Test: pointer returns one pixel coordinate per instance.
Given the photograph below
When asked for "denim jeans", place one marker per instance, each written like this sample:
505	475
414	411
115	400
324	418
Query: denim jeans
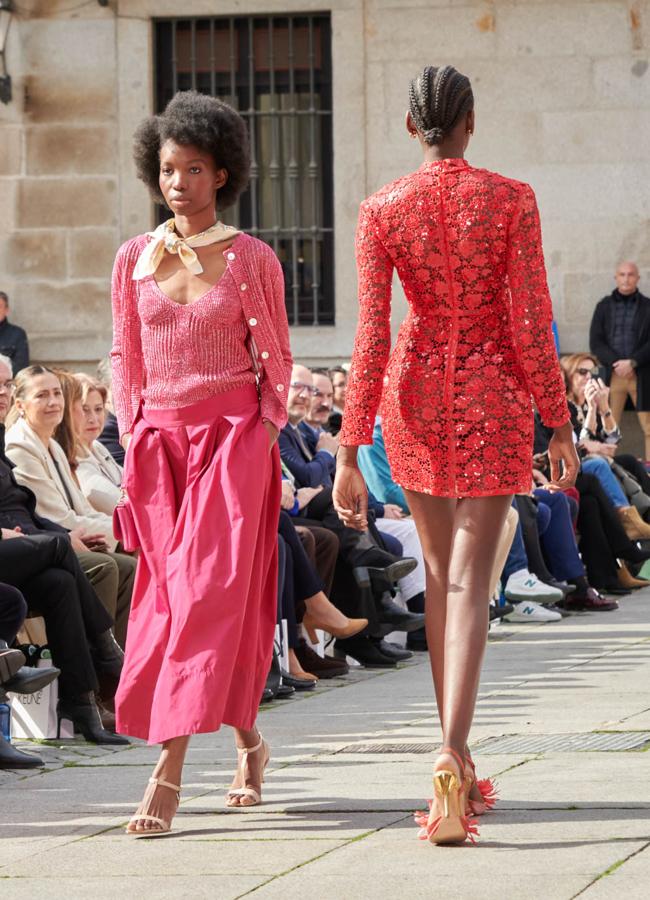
611	485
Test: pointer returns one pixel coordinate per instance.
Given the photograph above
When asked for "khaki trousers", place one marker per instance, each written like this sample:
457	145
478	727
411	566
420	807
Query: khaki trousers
619	390
111	575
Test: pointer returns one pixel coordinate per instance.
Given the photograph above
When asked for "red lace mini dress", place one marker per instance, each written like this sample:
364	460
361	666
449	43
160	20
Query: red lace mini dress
476	344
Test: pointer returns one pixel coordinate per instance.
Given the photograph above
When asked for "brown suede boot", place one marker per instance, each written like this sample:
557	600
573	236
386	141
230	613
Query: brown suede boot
635	528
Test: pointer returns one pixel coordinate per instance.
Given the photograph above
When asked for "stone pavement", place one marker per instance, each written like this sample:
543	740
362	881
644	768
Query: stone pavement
337	823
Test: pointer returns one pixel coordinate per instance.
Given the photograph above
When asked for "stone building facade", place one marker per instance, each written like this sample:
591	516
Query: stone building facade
563	102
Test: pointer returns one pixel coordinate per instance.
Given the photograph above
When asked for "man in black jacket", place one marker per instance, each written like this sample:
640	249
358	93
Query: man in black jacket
620	337
13	339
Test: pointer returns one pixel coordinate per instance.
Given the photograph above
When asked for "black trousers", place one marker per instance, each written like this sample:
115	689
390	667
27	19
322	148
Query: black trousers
602	537
300	578
13	610
527	509
45	569
635	467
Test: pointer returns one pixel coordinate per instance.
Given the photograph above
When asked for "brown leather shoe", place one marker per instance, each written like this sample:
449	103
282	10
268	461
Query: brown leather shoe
628	581
323	666
589	600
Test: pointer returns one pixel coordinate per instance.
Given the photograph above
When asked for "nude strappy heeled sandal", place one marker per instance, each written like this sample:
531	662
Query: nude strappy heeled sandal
244	791
452	825
165	826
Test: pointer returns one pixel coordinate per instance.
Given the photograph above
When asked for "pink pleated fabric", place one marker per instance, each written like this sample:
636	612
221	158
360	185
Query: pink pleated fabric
205	492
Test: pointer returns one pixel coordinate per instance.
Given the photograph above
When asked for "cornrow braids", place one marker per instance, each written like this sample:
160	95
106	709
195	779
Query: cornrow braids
438	99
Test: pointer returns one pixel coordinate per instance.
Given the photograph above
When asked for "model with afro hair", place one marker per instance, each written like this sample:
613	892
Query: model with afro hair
201	368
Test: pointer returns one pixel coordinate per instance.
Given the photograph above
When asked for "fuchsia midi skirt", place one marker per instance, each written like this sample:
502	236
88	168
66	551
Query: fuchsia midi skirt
205	494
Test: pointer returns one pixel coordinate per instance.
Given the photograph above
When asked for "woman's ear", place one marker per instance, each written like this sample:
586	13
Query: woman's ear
410	125
221	179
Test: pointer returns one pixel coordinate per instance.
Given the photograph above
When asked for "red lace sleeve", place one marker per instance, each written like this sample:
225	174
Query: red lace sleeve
372	341
532	313
126	353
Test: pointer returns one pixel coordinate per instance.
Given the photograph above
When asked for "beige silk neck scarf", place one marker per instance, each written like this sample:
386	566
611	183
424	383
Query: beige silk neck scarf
165	240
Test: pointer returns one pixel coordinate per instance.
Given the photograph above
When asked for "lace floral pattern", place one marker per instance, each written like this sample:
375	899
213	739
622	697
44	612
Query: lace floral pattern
476	343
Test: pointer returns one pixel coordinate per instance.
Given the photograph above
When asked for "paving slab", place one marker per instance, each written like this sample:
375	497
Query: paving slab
339	823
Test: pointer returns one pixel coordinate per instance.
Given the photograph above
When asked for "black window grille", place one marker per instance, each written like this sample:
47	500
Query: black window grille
276	71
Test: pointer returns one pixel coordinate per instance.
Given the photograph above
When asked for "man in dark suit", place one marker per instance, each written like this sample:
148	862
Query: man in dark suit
311	460
620	338
13	338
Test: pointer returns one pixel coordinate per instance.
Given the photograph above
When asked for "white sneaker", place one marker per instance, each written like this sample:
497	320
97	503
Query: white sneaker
527	611
523	585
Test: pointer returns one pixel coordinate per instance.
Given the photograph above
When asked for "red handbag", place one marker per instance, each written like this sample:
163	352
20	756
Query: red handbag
124	527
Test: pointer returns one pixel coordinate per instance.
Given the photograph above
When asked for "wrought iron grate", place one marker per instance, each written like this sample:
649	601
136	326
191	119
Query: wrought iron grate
276	70
610	741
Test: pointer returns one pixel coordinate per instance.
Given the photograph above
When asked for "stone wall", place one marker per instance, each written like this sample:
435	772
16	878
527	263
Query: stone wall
563	101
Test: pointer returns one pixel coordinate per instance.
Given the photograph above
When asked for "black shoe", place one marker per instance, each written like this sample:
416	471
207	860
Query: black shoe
28	680
12	758
298	684
382	570
615	589
274	678
555	607
323	666
417	641
364	651
392	651
83	713
563	586
284	691
393	617
11	661
267	696
499	612
108	656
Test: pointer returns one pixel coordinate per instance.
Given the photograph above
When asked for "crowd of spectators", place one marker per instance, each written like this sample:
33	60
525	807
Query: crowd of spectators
360	594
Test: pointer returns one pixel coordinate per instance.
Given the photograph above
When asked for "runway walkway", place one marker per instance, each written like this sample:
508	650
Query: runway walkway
573	821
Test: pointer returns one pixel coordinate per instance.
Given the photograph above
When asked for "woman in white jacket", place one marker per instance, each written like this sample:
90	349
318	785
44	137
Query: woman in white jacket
100	477
41	464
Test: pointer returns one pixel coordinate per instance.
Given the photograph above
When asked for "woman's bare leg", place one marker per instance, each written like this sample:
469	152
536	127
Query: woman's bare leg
459	542
161	801
478	524
434	520
253	773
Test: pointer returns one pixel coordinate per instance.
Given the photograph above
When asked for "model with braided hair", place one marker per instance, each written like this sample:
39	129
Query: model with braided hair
474	348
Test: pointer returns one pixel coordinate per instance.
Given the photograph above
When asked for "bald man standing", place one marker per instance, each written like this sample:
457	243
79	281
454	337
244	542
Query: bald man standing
620	337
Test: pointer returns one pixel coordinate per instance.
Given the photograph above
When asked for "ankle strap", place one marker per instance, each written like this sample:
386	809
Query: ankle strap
159	781
459	759
252	749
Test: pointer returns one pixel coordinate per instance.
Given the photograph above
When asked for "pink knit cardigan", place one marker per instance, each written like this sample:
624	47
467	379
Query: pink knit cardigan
257	272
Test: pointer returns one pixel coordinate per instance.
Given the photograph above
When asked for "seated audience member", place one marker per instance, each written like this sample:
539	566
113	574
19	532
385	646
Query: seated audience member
45	570
361	552
375	469
303	600
603	541
339	378
599	433
547	525
524	589
99	476
41	465
599	464
110	436
15	676
13	339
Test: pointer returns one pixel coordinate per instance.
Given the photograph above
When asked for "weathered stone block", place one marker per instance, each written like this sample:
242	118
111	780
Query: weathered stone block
595	136
571	29
47	307
66	202
8	203
621	82
582	291
92	252
35	254
70	149
10	150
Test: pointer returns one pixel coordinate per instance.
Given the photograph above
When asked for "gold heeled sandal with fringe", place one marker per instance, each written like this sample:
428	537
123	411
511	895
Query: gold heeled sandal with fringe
451	825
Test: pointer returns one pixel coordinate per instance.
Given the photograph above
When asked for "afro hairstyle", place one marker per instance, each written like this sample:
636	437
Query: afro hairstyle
204	122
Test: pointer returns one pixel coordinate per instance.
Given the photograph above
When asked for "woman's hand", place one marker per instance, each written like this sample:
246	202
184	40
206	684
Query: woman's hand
272	432
350	497
565	464
125	440
393	511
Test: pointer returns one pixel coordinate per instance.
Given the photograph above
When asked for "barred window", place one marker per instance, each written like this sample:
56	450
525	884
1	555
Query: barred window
276	71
